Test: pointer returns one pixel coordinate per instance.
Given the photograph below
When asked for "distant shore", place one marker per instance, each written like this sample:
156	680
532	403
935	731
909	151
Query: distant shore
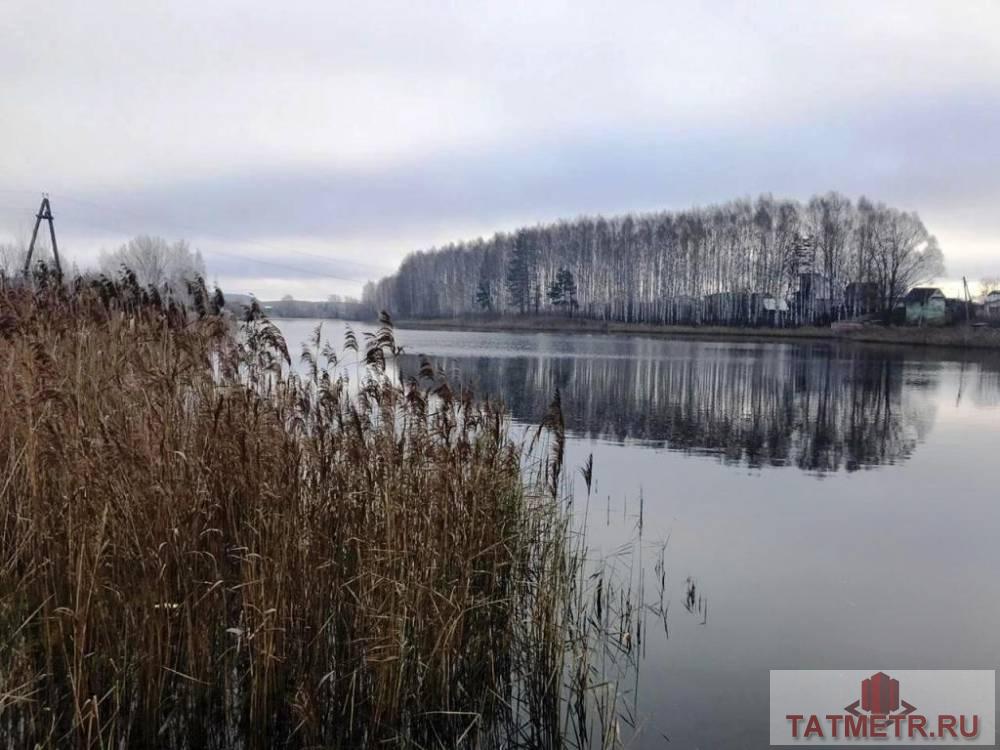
963	337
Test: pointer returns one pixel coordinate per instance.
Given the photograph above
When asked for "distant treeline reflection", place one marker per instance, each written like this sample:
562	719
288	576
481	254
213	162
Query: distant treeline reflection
818	407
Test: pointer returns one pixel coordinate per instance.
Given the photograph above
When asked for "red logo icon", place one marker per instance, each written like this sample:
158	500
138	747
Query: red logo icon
880	697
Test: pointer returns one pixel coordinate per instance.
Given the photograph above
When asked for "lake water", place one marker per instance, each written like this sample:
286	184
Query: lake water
838	505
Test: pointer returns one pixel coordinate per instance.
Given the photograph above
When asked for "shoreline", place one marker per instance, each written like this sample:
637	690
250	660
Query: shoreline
952	337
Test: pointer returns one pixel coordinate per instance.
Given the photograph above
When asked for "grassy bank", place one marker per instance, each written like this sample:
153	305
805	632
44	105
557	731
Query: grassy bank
953	336
199	549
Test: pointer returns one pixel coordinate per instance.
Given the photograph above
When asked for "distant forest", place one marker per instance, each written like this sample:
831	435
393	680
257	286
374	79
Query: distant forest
746	262
335	306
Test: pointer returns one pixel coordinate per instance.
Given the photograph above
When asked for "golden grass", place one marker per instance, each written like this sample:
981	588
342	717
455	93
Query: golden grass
200	549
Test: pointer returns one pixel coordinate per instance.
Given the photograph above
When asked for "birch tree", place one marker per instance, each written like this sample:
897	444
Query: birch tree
661	267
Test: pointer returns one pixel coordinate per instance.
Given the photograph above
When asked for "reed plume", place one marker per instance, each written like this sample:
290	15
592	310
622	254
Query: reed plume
200	547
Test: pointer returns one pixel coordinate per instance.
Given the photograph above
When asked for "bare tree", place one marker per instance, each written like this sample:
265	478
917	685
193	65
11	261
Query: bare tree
12	257
989	284
155	262
670	267
905	254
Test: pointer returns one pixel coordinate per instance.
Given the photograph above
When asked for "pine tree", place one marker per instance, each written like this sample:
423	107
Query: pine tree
562	290
484	296
555	292
520	273
568	284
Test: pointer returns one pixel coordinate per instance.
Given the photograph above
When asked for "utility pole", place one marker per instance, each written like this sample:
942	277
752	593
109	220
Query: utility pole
44	213
968	300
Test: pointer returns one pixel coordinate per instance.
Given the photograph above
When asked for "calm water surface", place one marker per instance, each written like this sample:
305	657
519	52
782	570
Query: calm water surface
837	505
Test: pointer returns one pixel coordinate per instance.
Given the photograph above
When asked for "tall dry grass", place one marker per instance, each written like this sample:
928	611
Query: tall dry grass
200	548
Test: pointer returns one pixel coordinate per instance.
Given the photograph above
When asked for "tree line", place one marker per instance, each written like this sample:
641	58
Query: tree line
828	257
152	261
170	267
335	306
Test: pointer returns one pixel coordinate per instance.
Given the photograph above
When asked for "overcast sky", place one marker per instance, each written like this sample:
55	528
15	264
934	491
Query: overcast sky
305	147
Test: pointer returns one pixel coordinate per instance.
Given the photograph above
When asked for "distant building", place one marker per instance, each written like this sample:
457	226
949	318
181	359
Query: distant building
728	308
773	311
745	309
959	310
815	285
925	305
862	298
817	298
683	309
991	306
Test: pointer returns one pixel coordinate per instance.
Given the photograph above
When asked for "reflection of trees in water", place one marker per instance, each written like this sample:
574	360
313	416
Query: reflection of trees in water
985	381
978	379
987	388
815	407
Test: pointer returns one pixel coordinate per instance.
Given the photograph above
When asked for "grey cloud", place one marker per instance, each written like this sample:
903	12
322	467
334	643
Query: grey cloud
332	138
883	152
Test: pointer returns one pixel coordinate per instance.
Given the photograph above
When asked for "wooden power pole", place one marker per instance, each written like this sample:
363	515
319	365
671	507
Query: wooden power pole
44	213
968	300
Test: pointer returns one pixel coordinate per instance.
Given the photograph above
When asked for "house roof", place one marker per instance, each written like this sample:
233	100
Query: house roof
921	295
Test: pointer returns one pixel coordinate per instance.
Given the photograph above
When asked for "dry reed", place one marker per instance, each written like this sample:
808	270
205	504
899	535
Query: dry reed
201	548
